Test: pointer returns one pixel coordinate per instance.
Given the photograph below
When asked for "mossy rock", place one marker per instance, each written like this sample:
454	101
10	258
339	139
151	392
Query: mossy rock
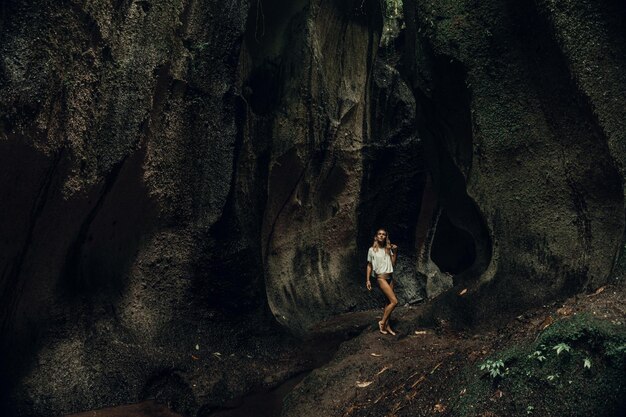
576	367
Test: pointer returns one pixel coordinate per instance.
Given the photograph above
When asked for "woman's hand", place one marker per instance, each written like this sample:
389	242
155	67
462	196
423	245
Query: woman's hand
394	254
368	284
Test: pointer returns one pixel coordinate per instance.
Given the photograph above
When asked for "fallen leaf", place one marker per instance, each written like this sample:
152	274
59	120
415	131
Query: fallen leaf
463	292
598	291
565	311
363	384
217	355
421	378
421	332
496	395
463	391
383	370
435	368
547	322
195	358
376	354
439	408
383	395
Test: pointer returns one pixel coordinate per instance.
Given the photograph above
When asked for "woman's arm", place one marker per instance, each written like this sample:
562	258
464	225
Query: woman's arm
394	254
368	284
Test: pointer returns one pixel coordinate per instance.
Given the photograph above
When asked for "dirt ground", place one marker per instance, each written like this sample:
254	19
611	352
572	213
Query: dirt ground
414	373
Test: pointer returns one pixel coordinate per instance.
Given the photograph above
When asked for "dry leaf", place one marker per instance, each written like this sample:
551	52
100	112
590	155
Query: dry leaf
598	291
463	292
383	370
376	354
439	408
195	358
546	323
363	384
496	395
463	391
422	378
565	311
421	332
435	368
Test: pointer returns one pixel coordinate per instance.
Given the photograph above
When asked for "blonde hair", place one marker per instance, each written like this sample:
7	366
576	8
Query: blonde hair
375	245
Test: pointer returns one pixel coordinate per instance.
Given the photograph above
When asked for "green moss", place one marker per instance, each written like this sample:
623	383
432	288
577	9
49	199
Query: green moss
392	8
589	333
545	378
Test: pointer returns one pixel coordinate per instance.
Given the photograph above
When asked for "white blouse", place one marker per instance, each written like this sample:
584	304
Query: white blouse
380	260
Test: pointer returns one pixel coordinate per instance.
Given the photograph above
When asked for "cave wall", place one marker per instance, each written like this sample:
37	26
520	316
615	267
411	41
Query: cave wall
544	174
316	166
171	170
118	130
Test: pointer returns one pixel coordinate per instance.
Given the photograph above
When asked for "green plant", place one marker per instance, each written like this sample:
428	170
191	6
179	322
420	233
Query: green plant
201	46
538	354
575	367
495	369
562	347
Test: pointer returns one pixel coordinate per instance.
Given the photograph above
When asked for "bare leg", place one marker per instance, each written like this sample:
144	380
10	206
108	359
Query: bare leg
388	328
391	296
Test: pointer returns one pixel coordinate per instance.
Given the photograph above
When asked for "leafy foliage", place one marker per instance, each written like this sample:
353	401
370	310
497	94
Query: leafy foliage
538	354
562	347
580	358
495	369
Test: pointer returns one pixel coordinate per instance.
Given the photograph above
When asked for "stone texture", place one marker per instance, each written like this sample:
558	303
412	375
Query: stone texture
316	168
540	172
189	172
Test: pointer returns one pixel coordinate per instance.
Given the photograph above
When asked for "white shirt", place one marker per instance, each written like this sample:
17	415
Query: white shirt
380	260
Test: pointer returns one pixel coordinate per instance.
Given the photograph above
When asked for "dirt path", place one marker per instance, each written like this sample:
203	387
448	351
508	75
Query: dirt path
381	375
412	374
375	374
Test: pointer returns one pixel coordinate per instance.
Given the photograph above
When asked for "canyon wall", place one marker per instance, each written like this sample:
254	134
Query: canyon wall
170	170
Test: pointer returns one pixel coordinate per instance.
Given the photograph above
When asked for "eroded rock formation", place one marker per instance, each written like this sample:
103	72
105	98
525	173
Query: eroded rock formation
170	170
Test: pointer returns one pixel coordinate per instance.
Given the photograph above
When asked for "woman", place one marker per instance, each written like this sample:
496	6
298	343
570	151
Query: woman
381	258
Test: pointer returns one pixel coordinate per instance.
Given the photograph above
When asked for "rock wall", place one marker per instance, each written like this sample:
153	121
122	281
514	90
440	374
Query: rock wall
183	172
543	172
316	166
119	134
